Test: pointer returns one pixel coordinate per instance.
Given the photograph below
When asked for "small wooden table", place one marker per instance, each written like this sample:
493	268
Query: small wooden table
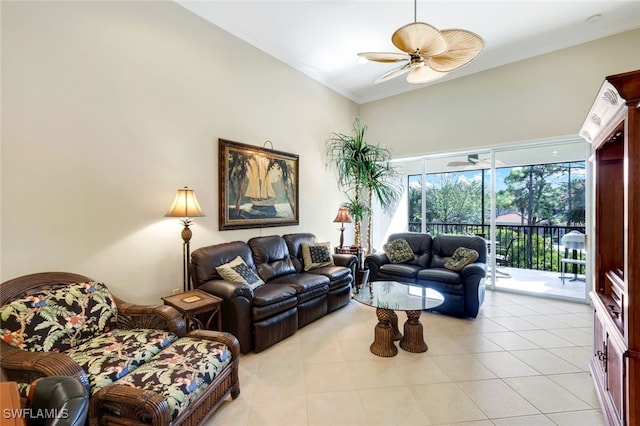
194	302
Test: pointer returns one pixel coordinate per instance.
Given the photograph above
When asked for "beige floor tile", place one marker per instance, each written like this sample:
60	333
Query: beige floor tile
545	339
514	323
381	407
231	413
327	377
357	349
545	362
496	399
546	395
463	367
374	373
335	409
446	403
420	370
578	418
275	410
577	336
504	364
278	378
477	372
510	341
579	384
539	420
576	355
321	351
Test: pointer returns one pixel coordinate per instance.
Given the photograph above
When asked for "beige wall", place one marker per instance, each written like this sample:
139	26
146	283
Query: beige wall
109	107
540	98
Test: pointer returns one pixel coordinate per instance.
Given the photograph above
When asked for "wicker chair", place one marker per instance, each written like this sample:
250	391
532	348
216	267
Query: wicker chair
131	403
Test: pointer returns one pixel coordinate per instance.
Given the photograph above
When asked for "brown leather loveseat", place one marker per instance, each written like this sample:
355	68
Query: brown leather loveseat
290	298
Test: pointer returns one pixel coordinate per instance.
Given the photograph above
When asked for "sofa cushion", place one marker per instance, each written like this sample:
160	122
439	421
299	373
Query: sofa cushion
316	255
238	272
181	371
271	293
439	275
398	251
400	270
114	354
58	318
461	258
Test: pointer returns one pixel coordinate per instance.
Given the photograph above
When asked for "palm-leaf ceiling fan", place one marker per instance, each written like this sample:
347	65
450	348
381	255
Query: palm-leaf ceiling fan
428	52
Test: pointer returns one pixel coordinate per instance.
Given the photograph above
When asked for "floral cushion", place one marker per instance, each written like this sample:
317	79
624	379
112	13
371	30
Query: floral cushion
461	258
59	318
398	251
114	354
181	372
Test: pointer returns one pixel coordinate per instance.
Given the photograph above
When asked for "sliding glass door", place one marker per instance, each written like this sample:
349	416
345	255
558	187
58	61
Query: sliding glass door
525	201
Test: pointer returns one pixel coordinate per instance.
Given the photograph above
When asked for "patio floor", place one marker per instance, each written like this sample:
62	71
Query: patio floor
540	283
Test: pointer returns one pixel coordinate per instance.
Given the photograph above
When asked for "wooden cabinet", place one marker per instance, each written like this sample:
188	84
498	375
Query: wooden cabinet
613	128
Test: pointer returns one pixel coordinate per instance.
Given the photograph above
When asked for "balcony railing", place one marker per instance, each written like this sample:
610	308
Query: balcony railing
521	246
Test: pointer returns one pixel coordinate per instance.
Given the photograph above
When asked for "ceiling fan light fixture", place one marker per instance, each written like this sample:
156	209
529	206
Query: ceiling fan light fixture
430	53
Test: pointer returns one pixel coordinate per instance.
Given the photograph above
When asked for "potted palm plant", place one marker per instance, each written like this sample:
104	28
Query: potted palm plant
363	171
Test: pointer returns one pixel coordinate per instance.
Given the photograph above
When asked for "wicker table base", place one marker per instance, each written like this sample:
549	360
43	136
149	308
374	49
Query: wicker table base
386	331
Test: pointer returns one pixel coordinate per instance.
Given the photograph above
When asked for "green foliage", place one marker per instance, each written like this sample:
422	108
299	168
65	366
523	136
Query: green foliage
363	171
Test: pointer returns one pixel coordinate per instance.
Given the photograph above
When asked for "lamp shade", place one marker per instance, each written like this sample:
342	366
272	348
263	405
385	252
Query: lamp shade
185	205
342	216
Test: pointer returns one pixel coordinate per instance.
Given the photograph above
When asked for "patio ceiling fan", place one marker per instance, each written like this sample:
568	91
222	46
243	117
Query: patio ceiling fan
428	53
474	160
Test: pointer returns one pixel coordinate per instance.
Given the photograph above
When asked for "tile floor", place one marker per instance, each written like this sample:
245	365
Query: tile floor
523	361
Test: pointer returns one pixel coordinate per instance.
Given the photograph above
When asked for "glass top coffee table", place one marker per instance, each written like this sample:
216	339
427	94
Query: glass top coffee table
390	296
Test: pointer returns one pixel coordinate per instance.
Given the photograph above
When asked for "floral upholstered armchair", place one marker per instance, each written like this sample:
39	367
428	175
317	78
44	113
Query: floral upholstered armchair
137	363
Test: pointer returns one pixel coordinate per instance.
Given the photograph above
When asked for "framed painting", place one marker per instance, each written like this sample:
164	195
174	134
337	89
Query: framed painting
258	186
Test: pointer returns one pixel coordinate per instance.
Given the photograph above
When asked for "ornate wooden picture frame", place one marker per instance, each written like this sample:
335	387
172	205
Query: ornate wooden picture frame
258	187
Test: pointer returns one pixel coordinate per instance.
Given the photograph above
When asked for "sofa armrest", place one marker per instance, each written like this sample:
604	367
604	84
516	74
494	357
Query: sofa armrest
476	268
346	260
373	262
161	317
130	401
26	366
236	308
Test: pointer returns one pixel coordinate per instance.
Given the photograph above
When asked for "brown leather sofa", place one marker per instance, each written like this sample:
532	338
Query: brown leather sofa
463	290
290	298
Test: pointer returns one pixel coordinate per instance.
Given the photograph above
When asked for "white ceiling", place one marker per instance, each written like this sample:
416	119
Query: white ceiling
321	38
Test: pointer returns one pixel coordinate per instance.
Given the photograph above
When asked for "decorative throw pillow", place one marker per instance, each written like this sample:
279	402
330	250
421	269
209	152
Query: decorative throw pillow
398	251
238	272
461	258
316	255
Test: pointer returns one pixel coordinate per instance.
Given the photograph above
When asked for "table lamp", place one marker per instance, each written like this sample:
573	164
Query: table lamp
185	206
342	217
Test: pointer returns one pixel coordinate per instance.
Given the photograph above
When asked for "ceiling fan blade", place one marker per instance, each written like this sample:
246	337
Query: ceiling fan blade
420	37
463	47
384	56
393	73
424	74
457	163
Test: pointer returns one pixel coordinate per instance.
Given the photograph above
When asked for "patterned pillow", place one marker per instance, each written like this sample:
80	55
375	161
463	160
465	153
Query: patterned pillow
58	319
398	251
238	272
461	258
316	255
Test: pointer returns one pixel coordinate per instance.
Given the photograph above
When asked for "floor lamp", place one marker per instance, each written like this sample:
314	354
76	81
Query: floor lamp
185	206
